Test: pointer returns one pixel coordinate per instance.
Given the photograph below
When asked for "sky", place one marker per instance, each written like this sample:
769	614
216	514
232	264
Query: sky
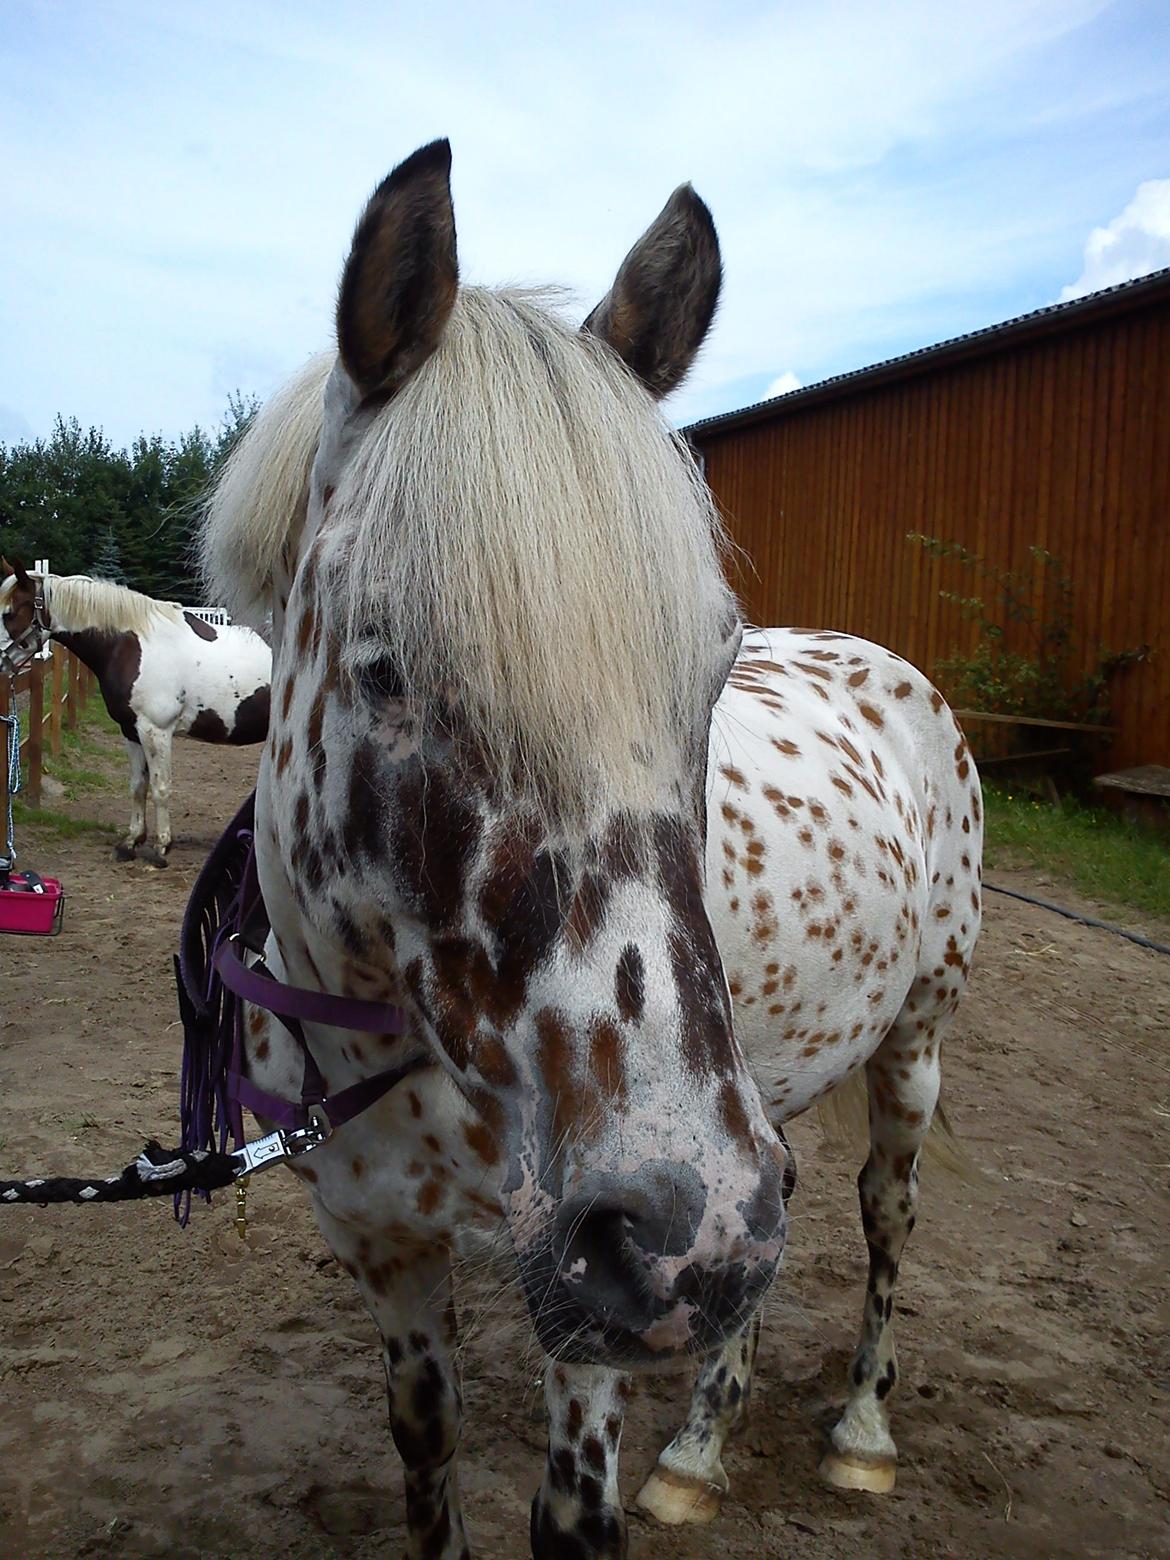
180	179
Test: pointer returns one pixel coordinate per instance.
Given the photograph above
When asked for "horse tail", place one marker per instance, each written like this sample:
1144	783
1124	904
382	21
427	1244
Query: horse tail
843	1117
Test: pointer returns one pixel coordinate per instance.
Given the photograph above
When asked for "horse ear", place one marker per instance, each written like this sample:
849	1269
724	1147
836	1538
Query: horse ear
17	568
400	280
660	307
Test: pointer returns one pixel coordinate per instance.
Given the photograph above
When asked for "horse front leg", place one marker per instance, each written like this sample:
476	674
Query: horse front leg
688	1482
577	1513
136	832
408	1294
156	744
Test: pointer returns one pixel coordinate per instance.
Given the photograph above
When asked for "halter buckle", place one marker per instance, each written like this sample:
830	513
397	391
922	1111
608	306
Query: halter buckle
279	1146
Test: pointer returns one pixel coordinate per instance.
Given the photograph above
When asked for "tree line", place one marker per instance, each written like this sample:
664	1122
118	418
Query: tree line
127	515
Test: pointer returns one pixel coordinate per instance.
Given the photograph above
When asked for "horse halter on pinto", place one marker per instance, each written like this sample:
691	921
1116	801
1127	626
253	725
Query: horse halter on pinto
22	647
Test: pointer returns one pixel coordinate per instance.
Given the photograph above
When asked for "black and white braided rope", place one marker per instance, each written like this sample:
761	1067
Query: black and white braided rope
157	1172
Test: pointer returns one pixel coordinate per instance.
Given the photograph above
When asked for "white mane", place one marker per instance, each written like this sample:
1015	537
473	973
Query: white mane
520	526
76	601
257	505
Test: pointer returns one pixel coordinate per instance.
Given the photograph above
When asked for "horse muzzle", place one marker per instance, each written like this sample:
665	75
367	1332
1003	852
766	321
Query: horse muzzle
631	1274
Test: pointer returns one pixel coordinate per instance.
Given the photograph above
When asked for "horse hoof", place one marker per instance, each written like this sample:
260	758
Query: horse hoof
152	857
124	852
674	1498
876	1475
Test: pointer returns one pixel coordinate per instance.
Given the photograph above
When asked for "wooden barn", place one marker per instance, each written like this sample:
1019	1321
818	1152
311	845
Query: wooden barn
1051	430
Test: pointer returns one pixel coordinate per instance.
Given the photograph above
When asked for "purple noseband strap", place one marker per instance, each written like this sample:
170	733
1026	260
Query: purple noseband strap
298	1004
226	916
311	1007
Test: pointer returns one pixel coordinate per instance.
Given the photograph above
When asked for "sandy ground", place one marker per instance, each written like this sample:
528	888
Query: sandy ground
195	1395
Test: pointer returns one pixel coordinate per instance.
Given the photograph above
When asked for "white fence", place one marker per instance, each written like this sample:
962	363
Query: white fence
216	616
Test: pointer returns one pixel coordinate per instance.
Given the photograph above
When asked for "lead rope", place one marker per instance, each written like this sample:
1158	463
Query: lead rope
161	1172
12	755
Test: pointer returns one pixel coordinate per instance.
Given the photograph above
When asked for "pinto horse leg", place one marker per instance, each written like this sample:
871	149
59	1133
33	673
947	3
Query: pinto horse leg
409	1298
577	1513
688	1483
156	743
136	833
903	1081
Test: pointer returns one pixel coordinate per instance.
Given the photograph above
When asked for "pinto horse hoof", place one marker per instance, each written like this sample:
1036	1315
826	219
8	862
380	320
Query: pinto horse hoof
876	1475
124	852
674	1498
151	856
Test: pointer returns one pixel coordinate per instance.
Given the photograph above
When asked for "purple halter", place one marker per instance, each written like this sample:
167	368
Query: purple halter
225	915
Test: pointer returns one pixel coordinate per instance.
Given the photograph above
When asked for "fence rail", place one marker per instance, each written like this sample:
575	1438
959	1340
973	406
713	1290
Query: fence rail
58	687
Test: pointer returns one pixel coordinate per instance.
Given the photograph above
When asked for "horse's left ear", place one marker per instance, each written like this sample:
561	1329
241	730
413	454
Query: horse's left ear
659	309
400	280
17	568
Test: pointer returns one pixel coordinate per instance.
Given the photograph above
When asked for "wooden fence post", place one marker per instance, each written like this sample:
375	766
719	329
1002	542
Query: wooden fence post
36	730
74	708
59	693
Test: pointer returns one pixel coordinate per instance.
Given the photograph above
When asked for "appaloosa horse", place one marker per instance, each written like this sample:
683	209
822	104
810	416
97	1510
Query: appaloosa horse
494	793
163	672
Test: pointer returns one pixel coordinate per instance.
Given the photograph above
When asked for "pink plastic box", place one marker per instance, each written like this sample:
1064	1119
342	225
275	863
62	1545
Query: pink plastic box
30	905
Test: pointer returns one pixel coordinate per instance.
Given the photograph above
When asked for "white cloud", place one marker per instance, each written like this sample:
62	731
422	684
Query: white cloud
1134	244
784	385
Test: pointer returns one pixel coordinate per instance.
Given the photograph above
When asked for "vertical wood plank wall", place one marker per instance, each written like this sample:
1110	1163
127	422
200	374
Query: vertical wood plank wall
1061	442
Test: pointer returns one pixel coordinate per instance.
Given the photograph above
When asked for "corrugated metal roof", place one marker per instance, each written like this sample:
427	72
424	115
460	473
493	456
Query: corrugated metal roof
1055	316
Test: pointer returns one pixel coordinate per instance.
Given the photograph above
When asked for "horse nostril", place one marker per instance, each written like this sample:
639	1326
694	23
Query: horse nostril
603	1258
763	1214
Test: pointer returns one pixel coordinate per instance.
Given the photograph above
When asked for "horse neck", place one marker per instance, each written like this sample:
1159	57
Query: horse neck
93	646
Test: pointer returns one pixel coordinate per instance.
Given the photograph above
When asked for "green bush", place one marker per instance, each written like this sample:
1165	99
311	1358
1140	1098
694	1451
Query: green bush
1041	672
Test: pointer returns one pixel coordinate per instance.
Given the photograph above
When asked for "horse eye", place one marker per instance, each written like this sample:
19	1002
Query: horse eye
380	679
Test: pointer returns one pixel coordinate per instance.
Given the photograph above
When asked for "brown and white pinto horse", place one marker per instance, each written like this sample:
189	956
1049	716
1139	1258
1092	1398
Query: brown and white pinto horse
501	628
163	673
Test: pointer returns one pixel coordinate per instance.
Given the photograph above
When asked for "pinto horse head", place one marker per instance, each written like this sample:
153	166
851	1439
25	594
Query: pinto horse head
23	618
505	628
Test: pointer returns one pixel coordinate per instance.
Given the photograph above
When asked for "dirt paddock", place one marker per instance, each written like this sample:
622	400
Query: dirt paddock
190	1394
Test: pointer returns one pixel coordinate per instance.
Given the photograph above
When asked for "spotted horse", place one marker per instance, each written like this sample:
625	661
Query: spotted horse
162	671
524	780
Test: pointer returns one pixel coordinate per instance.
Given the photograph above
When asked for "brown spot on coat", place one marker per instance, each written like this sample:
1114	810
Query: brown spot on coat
606	1060
630	984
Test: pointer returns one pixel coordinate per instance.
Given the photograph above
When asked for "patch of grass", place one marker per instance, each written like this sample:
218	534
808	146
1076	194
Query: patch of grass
1103	855
83	750
64	828
76	779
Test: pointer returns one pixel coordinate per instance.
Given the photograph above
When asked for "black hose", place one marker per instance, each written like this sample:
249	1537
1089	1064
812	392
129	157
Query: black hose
1085	920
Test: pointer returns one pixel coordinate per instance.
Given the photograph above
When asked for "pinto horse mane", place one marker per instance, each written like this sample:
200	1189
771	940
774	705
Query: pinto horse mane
88	603
519	524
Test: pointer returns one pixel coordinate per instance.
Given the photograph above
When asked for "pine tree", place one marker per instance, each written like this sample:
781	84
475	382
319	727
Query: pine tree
125	515
107	564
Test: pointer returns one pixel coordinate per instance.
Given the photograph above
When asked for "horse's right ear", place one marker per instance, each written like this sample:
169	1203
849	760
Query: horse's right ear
402	274
17	568
660	307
